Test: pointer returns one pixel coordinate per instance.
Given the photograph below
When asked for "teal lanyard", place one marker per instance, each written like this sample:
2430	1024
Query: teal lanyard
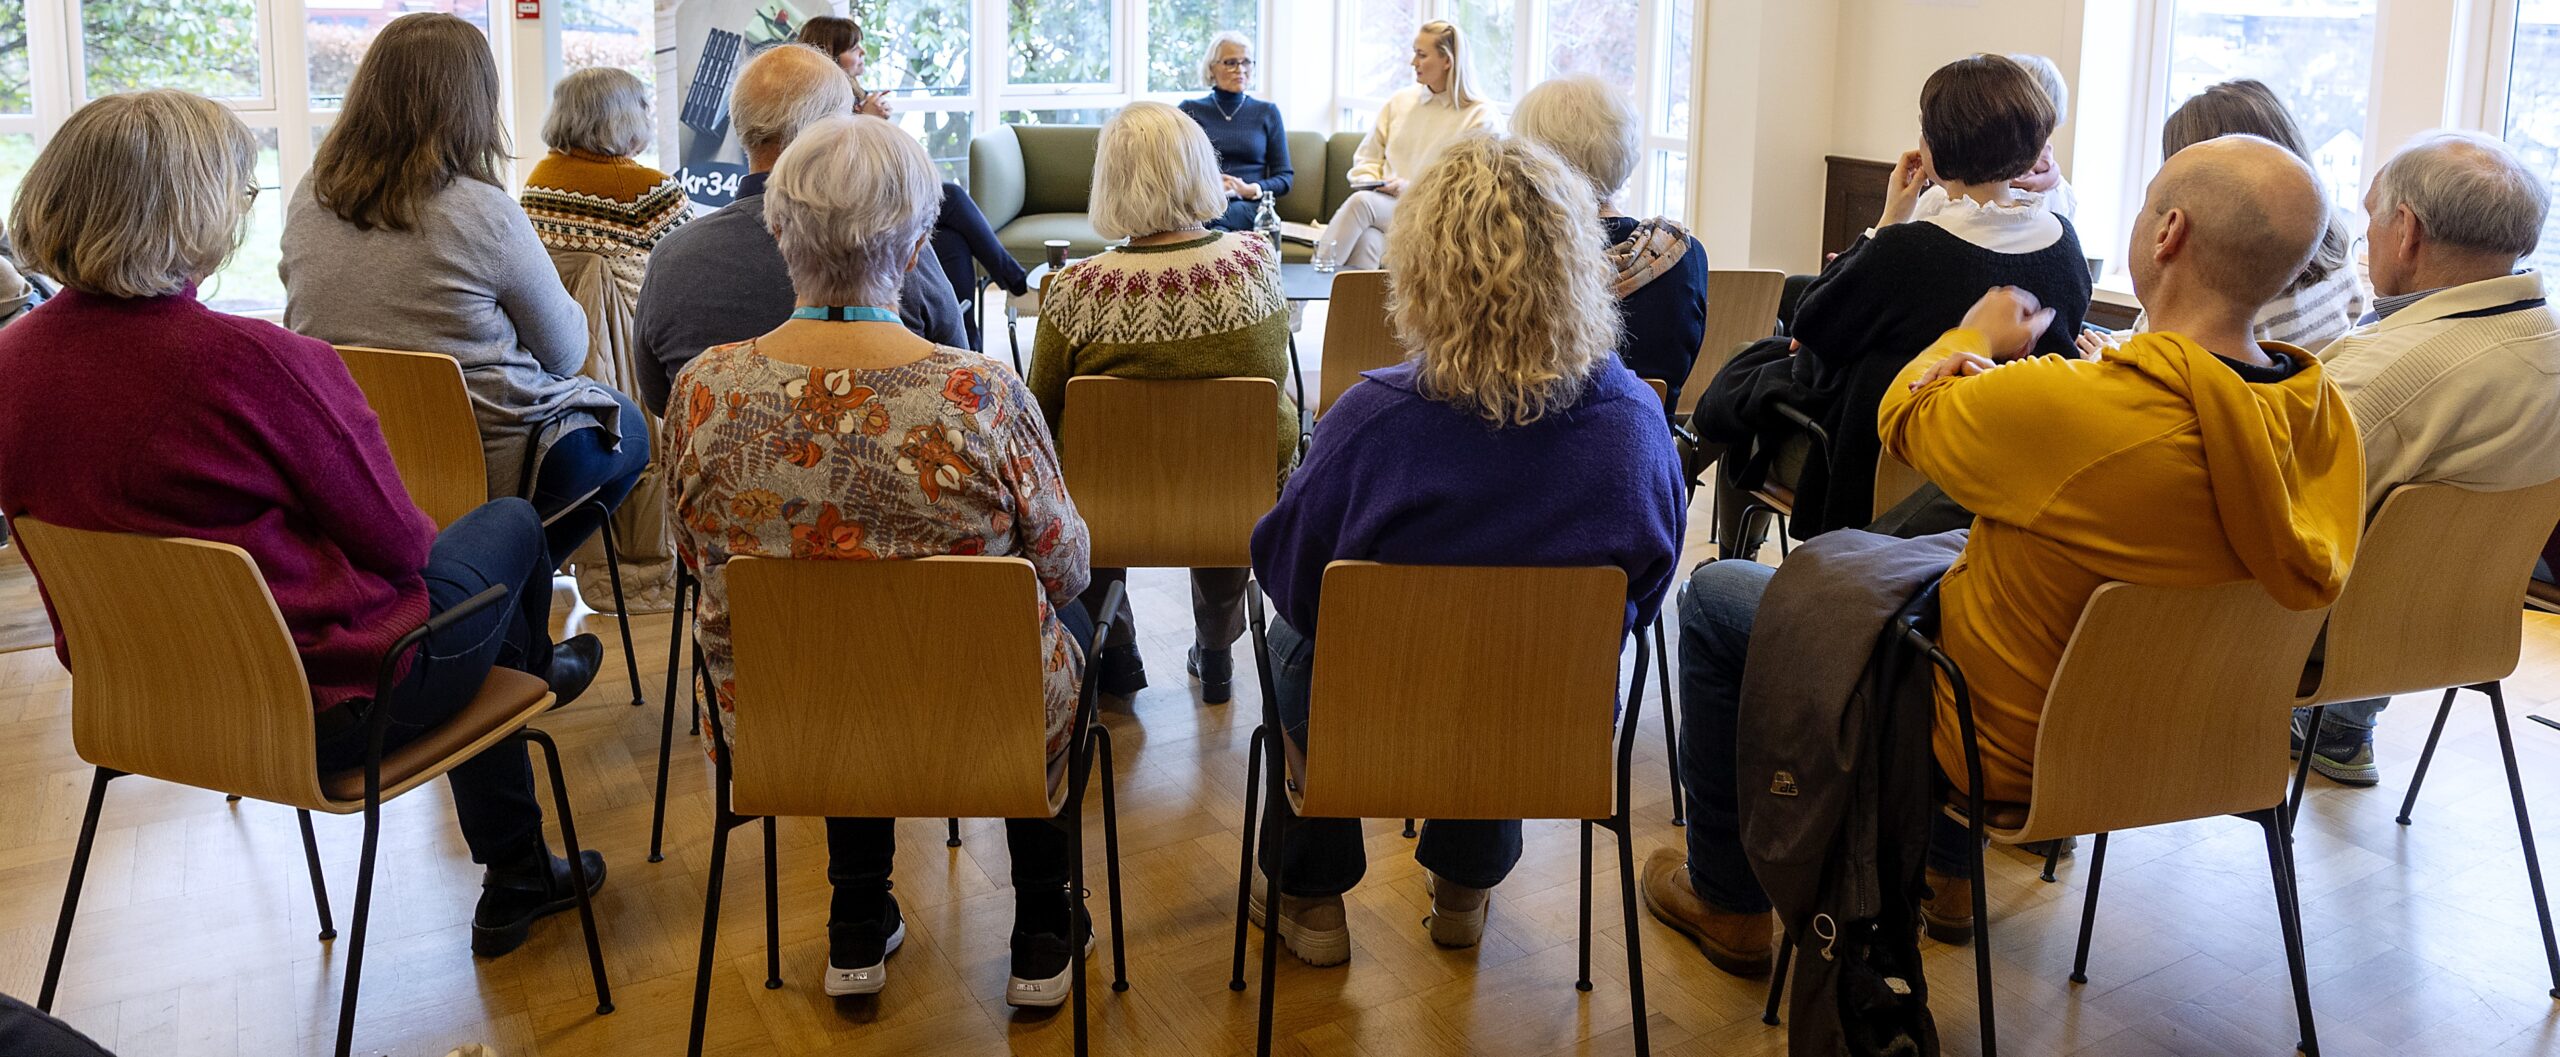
845	314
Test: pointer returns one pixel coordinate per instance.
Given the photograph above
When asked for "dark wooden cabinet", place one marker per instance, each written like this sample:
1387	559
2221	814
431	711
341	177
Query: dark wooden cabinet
1852	197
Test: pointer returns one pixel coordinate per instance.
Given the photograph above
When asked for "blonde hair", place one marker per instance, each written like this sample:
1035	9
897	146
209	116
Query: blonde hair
850	202
1452	43
1501	290
1587	123
138	195
1153	171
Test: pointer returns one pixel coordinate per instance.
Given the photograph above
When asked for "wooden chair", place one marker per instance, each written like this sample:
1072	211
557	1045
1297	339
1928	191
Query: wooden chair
846	710
1171	474
426	418
1742	307
188	675
1357	337
1455	692
2432	604
1895	481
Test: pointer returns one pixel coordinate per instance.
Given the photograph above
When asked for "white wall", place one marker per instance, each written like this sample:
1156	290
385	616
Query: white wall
1888	47
1764	126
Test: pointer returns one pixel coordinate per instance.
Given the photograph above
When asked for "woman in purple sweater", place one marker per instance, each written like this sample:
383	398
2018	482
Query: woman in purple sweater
131	407
1512	437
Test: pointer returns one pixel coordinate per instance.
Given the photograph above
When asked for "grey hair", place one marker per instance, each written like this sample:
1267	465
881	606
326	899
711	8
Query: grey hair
783	92
1209	58
850	203
138	195
2469	190
1153	171
1587	123
599	110
2048	77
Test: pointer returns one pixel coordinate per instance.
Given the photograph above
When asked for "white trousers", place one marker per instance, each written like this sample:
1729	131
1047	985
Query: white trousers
1357	237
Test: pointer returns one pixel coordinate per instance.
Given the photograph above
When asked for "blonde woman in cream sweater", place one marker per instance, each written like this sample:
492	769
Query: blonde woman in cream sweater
1410	131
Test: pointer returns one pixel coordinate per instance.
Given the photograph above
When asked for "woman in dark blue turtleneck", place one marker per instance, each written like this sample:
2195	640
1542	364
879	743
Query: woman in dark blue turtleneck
1253	148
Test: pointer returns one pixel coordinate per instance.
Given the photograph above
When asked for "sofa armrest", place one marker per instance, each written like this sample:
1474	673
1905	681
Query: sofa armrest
995	175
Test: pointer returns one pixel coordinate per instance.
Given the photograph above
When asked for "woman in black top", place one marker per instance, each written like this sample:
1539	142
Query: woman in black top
1253	147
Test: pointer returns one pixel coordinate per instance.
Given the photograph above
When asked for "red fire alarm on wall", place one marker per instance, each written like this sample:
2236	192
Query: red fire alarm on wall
528	9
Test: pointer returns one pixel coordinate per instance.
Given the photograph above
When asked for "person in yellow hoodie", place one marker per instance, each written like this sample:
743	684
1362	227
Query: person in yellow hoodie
2190	456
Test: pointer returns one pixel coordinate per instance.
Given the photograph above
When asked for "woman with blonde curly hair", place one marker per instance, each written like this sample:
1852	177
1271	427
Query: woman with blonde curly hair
1510	436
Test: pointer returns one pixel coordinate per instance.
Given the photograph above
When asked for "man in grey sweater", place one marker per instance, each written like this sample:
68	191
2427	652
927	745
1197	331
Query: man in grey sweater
720	279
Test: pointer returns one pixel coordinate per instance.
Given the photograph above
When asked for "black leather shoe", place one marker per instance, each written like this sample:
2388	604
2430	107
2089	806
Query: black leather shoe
1122	671
511	901
573	667
1216	670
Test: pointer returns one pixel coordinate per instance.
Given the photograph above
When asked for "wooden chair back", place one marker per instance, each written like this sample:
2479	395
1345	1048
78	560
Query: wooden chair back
2170	704
1172	474
1464	692
889	689
182	667
426	417
1895	481
2438	581
1357	337
1661	392
1742	307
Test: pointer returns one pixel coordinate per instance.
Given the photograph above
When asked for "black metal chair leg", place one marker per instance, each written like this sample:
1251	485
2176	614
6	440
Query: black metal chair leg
1271	929
621	609
1670	726
2428	756
1778	979
1635	944
1982	930
2289	916
1244	862
319	883
1075	907
2052	858
577	866
952	839
1582	974
355	934
772	912
1111	858
667	718
2524	834
1409	832
71	889
710	931
2088	908
2302	769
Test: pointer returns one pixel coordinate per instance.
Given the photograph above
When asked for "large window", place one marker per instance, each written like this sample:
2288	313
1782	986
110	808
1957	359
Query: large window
17	92
1171	68
2316	54
2533	108
211	47
1486	27
335	34
1058	42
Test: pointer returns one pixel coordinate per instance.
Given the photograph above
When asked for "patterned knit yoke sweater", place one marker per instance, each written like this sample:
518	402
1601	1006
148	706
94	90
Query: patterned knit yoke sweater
615	208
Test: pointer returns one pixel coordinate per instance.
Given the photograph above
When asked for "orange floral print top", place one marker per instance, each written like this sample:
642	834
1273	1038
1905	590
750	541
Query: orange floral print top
946	455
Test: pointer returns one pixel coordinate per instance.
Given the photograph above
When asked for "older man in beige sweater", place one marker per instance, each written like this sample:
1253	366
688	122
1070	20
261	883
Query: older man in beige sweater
2455	376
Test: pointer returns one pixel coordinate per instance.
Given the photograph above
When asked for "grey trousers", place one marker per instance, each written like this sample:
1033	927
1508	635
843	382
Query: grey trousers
1217	606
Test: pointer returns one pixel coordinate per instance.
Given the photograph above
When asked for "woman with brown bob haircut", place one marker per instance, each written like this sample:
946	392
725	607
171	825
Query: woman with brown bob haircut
404	236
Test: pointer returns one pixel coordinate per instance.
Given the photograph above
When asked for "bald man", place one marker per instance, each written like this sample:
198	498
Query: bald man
2192	455
720	279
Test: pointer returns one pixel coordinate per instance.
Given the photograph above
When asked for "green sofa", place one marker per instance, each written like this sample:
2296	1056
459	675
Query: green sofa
1033	182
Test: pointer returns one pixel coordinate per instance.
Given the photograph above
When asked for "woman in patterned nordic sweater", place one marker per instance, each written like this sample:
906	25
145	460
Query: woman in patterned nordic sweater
589	195
1179	301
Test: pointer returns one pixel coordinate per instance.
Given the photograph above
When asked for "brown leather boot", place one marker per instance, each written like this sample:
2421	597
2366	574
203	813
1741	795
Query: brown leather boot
1741	944
1947	915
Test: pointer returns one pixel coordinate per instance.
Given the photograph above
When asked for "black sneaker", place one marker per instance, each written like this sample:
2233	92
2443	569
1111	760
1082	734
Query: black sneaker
2345	757
573	667
1122	671
1044	966
511	901
858	955
1216	671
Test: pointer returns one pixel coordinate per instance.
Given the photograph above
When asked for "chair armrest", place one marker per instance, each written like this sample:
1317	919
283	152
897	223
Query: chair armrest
1821	437
1088	699
378	717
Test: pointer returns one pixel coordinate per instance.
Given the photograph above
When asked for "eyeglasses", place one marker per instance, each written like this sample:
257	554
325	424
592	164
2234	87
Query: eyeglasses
1235	64
252	192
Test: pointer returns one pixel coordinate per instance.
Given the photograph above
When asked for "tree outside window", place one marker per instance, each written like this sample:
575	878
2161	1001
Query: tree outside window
17	95
1594	37
1178	34
336	34
2533	109
1385	46
1058	41
915	47
209	47
1486	27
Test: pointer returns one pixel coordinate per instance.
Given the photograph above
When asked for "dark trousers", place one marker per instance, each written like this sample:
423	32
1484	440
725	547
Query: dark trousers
585	460
1324	855
1239	215
1716	614
861	851
961	235
499	544
1217	606
25	1032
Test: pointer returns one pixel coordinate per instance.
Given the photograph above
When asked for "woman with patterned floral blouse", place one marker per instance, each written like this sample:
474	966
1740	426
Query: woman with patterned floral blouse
841	435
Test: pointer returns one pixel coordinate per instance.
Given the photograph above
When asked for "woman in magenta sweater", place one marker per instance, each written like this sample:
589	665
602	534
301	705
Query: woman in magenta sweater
134	408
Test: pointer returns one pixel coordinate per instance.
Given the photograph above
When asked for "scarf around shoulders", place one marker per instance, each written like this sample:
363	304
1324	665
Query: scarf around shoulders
1651	250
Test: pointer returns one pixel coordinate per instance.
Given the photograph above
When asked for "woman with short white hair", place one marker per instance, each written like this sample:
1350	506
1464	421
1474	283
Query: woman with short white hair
1177	301
1660	271
590	194
1251	141
1508	438
1409	132
841	435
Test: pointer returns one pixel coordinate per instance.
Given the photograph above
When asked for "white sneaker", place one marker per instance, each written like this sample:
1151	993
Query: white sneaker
868	979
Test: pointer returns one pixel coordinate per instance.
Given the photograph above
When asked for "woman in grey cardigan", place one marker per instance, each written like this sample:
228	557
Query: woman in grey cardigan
404	237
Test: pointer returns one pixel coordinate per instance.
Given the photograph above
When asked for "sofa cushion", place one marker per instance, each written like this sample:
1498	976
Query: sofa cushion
1337	168
1057	167
1023	237
1305	203
995	175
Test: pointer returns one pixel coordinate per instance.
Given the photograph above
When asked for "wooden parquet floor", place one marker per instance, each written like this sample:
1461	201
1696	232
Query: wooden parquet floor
196	932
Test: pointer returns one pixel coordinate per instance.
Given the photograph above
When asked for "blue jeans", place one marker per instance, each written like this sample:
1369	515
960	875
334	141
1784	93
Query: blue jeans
498	544
585	460
1716	615
1324	856
961	235
2346	717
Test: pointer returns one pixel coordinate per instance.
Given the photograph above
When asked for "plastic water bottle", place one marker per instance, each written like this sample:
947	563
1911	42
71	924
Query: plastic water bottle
1266	220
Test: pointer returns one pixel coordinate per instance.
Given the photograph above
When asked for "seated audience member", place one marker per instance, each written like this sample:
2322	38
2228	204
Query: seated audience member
1983	124
1135	312
1252	144
1661	280
256	437
17	296
2450	379
2194	455
1410	130
589	195
2043	185
961	232
1511	404
403	237
721	278
915	450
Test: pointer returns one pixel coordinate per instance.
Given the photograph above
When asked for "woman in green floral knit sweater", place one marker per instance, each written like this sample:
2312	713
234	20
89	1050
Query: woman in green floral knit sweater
1178	301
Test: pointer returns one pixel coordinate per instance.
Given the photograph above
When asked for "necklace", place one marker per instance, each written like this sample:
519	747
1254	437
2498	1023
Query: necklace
845	314
1224	112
